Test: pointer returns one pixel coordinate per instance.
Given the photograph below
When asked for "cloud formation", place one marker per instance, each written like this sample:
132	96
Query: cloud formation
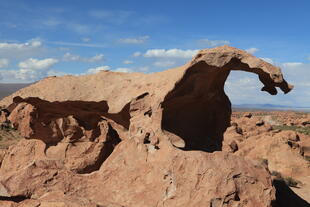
252	50
137	54
213	43
98	69
77	44
21	50
20	46
105	68
86	39
4	62
123	70
76	58
164	63
35	64
127	62
268	60
292	64
30	70
244	88
137	40
171	53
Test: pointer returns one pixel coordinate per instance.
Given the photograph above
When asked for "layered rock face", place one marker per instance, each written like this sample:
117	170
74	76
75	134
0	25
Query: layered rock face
116	139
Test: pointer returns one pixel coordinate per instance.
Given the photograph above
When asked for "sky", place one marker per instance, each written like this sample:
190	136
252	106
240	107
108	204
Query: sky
46	38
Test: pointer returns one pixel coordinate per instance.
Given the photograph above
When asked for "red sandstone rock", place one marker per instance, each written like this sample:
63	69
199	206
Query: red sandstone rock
166	124
286	152
142	177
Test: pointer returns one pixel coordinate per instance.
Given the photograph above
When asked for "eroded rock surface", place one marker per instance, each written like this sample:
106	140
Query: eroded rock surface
283	148
115	139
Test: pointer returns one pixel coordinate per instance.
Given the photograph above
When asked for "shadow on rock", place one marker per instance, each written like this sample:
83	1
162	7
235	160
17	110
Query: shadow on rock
286	197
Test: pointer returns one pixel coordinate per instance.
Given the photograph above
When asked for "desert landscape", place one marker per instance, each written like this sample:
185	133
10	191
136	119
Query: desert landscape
168	138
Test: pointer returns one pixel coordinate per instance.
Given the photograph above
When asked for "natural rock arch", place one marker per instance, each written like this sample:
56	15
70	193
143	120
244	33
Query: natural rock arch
198	110
115	128
188	104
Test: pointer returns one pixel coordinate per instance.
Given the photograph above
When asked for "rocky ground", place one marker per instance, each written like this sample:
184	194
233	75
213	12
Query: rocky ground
280	139
264	136
163	139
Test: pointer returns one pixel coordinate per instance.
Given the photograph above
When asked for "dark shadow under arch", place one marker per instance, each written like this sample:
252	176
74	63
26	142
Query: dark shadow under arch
198	110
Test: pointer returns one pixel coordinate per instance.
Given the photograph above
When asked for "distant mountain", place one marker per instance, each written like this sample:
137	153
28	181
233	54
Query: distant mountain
269	106
9	88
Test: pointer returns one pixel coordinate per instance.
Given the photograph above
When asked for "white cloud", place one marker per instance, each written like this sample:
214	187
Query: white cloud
35	64
77	44
171	53
136	54
21	50
213	43
34	69
127	62
252	50
292	64
268	60
123	70
165	63
141	69
61	23
79	28
30	70
71	57
4	62
98	57
240	82
20	46
120	69
131	70
244	88
138	40
98	69
86	39
296	71
55	73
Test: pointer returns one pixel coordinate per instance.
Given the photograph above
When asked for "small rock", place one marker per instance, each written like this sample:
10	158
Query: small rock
289	136
248	115
233	146
233	124
239	130
260	123
275	131
305	123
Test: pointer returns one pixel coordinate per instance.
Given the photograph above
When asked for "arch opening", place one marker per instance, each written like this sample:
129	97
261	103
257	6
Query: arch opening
197	110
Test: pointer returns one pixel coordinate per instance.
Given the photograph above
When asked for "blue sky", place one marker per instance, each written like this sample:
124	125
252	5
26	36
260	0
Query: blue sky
42	38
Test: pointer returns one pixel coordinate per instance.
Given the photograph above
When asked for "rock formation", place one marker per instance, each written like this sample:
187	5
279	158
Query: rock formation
115	139
286	153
